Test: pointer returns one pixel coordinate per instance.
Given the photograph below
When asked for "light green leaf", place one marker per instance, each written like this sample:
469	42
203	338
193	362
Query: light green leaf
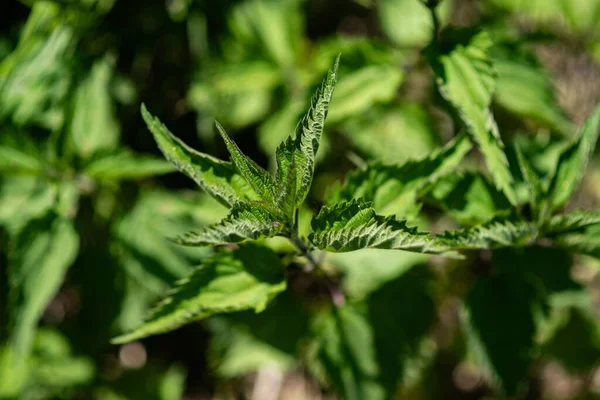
257	178
394	189
243	279
218	178
125	164
532	181
245	222
346	351
25	198
572	222
581	243
573	161
494	234
94	126
466	79
353	225
43	252
297	154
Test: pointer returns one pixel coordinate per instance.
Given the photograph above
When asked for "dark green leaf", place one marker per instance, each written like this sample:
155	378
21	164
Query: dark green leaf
494	234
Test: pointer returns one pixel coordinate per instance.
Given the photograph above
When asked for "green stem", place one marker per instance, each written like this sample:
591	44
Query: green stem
432	4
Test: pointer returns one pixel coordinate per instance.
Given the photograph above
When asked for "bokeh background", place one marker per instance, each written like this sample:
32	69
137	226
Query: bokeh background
96	200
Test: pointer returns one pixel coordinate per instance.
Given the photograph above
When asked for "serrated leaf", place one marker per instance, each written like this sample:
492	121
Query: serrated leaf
218	178
242	279
94	126
470	198
501	317
257	177
573	161
346	351
245	222
43	252
494	234
353	225
582	243
572	222
125	164
466	79
532	181
393	189
297	154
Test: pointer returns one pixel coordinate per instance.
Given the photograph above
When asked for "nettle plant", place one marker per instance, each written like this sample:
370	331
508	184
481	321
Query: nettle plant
362	346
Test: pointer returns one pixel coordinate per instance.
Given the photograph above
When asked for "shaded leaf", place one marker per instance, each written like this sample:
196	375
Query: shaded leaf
243	279
126	165
19	156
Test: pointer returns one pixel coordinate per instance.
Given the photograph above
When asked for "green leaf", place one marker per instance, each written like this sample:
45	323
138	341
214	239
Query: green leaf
245	222
218	178
525	89
125	164
353	225
469	198
19	156
346	351
94	126
296	156
243	279
43	252
25	198
466	79
573	161
572	222
502	320
35	78
395	188
257	178
494	234
532	181
583	243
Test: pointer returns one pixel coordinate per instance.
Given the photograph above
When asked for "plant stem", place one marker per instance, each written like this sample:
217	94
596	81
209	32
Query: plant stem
432	4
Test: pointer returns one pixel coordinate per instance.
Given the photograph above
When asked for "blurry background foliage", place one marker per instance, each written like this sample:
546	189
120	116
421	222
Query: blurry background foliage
86	200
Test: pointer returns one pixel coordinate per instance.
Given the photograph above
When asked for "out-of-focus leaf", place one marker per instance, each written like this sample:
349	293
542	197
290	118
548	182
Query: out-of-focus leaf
93	126
466	79
126	165
576	344
524	88
242	279
502	323
358	91
494	234
573	162
354	225
532	181
246	342
44	250
35	78
367	270
23	199
346	352
19	156
408	22
394	189
572	222
469	198
587	243
273	26
395	135
172	385
218	178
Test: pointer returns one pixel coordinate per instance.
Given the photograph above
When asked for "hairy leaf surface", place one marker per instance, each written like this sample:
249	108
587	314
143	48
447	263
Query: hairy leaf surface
353	225
572	222
245	221
218	178
494	234
246	278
